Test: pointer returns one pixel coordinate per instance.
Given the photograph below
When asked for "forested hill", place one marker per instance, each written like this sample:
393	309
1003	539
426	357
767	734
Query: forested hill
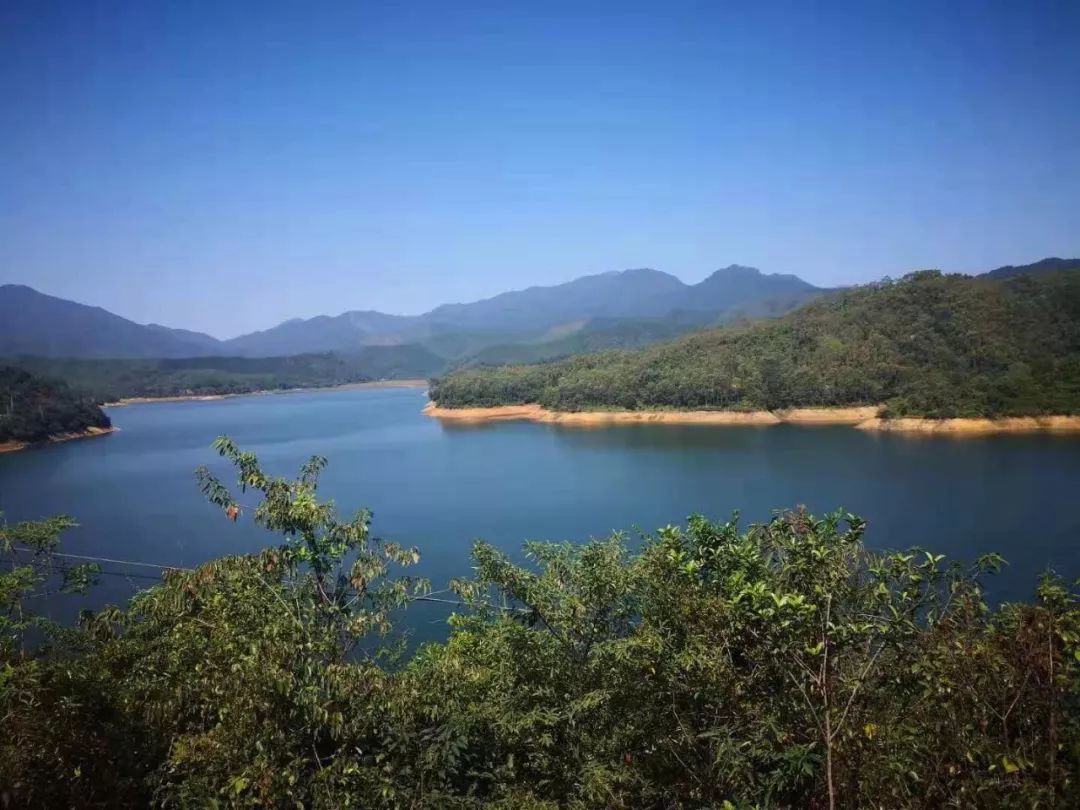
33	409
929	344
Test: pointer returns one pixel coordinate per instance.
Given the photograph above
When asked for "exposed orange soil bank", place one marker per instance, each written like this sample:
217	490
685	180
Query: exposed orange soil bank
89	433
864	418
537	413
829	416
213	397
967	427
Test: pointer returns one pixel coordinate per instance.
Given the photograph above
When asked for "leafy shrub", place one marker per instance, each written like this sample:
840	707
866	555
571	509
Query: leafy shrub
781	666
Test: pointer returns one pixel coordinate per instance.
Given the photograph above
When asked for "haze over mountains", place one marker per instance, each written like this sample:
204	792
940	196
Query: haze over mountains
1049	265
622	309
37	324
32	323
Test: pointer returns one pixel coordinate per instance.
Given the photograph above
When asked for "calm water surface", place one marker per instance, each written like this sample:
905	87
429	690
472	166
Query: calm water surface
439	488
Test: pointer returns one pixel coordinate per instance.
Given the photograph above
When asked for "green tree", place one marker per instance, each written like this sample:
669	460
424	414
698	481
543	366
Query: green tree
781	666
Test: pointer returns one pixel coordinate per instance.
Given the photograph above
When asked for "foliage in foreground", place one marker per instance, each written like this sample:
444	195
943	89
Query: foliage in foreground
783	666
928	345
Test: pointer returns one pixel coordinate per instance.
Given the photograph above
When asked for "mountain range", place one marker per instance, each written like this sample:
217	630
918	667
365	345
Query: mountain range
32	323
623	309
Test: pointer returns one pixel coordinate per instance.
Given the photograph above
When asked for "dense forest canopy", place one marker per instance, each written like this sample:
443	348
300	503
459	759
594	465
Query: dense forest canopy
784	666
930	345
110	380
33	409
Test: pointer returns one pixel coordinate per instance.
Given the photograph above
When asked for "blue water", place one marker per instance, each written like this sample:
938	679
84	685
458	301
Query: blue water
439	487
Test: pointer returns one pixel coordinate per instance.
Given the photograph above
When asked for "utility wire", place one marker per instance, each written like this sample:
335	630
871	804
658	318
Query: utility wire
431	597
102	559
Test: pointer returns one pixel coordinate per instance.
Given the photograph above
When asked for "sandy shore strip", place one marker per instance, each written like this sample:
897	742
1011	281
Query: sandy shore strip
537	413
214	397
973	427
89	433
829	416
143	400
862	417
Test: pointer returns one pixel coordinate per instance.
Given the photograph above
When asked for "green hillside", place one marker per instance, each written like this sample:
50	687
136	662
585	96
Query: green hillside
930	344
604	334
33	409
595	336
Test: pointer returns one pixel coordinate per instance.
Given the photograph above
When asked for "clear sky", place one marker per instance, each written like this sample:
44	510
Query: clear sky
224	166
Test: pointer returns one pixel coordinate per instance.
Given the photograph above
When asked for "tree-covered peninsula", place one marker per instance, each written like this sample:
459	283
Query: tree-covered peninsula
781	666
33	409
928	345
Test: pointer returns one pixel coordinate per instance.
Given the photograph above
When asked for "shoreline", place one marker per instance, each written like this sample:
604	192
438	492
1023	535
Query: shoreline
861	417
974	426
411	383
537	413
89	433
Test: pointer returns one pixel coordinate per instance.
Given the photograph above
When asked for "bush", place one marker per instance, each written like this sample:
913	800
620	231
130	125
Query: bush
781	666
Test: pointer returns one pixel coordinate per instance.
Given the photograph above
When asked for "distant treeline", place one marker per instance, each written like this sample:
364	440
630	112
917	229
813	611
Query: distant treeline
930	345
33	409
110	380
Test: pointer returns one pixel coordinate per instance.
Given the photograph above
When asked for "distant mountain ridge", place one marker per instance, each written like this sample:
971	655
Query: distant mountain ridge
1048	265
618	309
350	330
32	323
628	293
637	293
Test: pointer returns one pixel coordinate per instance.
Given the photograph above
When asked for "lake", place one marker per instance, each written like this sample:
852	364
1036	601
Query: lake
439	487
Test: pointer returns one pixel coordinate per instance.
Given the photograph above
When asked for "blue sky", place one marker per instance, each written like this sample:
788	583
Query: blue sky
225	166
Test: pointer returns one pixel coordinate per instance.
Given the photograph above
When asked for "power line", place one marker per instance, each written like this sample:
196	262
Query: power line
102	559
128	575
431	597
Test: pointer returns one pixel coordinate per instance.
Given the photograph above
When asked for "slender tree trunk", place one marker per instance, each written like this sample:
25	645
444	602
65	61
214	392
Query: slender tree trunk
828	744
826	694
828	771
1053	709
